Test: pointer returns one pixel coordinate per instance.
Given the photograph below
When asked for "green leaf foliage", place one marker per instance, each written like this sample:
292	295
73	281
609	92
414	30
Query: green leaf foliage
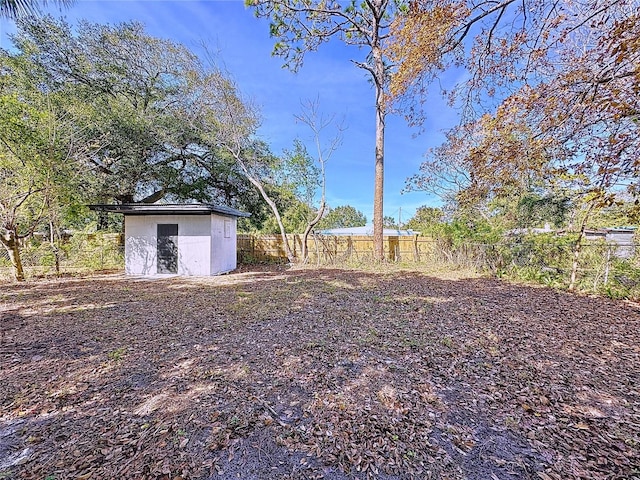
342	217
148	107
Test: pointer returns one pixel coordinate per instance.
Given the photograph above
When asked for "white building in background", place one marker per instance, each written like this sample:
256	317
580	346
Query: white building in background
622	238
192	239
366	231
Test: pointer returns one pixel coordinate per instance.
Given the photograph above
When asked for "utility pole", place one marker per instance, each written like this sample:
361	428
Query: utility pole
399	218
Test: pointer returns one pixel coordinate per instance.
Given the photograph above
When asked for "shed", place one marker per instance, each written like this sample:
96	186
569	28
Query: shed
620	237
169	239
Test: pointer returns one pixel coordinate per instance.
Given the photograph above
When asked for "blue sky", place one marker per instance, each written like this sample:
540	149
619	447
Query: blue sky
241	42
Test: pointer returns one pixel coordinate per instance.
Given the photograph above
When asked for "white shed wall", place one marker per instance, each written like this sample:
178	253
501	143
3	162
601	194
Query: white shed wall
224	244
194	243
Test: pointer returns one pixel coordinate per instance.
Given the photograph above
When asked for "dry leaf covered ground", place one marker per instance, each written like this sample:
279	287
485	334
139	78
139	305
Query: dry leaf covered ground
305	374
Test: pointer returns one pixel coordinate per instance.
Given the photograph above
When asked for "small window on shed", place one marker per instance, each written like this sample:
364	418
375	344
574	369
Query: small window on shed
227	229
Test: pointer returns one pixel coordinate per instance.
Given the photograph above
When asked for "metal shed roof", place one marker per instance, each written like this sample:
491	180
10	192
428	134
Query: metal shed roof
367	231
169	209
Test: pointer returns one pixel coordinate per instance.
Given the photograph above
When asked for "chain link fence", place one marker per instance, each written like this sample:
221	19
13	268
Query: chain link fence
604	268
607	268
79	253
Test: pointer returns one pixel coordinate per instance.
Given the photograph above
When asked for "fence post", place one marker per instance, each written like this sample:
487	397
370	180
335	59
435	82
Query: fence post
315	242
102	252
608	264
253	247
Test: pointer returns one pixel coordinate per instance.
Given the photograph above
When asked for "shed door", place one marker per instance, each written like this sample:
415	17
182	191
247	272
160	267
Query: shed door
168	248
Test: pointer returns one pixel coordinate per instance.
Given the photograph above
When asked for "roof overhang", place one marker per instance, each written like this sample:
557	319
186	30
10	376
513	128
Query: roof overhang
168	209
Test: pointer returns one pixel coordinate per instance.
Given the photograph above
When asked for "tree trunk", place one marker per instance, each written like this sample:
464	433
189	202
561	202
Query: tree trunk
274	208
10	242
54	247
378	191
574	264
307	231
577	248
155	196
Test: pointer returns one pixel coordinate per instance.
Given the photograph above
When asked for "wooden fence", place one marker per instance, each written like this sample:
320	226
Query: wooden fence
332	249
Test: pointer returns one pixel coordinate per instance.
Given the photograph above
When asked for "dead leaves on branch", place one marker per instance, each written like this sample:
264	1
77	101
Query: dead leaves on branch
317	374
428	31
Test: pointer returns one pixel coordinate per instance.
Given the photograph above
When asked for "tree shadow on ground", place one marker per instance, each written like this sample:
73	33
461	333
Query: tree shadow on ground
316	374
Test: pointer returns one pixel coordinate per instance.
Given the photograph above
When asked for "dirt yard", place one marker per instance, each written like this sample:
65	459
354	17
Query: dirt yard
308	374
